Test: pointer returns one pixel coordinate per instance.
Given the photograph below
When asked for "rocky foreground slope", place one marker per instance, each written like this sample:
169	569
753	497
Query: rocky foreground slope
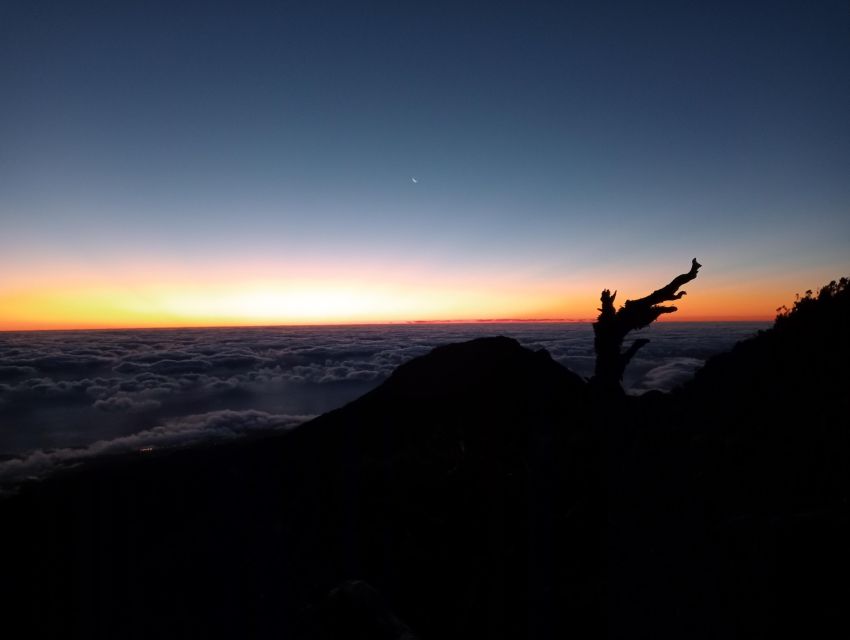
482	491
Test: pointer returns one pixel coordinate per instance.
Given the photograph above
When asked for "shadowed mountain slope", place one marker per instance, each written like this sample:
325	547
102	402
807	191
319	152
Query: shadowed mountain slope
729	500
774	444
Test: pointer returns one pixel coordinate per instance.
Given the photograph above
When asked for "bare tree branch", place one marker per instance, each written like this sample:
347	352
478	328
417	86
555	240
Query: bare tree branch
611	327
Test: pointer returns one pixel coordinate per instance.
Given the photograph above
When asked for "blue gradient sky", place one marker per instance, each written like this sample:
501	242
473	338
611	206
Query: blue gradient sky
557	146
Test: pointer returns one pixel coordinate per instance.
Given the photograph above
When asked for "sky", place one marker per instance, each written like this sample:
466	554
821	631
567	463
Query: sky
239	163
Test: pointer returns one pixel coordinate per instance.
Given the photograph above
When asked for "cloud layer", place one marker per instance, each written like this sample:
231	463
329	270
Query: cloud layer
77	390
181	432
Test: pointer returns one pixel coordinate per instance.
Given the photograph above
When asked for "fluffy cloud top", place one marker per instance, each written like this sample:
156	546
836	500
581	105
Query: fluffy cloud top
181	432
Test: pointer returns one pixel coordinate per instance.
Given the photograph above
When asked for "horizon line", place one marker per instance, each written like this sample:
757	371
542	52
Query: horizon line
377	324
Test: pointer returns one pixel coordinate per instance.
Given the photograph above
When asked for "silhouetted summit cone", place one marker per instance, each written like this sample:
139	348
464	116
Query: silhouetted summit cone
478	385
484	364
477	468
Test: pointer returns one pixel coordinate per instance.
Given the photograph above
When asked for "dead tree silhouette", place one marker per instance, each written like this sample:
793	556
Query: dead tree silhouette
611	327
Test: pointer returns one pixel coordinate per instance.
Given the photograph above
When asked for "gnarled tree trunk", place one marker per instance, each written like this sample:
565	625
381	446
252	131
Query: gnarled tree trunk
611	327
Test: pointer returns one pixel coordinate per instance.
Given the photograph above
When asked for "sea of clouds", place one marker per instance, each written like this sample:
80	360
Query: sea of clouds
69	395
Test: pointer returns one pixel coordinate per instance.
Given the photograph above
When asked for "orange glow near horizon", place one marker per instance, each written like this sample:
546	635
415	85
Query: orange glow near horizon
74	302
253	304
